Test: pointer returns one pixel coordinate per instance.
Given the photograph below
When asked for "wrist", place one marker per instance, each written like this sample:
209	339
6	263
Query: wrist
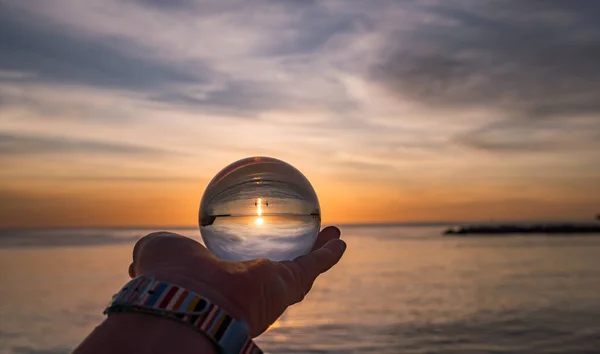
207	291
159	296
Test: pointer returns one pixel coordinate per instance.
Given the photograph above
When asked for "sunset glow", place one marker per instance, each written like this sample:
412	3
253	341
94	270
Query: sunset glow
390	115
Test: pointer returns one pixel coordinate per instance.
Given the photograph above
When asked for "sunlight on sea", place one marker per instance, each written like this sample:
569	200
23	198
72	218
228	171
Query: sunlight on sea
397	290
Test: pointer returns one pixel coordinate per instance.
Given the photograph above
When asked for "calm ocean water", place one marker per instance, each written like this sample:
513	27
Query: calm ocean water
397	290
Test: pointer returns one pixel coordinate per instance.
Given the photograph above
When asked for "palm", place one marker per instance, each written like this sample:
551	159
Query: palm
256	291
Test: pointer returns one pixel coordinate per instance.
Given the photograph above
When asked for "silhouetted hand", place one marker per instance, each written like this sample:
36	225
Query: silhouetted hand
257	291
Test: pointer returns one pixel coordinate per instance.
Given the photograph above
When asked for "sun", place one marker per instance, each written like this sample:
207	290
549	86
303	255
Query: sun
259	221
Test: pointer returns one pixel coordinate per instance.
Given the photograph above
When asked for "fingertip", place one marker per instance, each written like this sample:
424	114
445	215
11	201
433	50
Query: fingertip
332	230
327	256
336	246
132	271
327	234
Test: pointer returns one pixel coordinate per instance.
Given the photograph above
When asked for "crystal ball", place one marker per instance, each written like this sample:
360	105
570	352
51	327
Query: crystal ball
259	207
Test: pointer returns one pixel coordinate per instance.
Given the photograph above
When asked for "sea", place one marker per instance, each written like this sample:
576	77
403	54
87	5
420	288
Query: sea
398	289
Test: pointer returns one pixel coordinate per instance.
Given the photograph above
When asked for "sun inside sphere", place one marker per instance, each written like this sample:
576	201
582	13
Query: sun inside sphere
259	207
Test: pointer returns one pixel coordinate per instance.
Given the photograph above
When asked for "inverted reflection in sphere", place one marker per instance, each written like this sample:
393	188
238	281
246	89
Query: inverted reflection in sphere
259	207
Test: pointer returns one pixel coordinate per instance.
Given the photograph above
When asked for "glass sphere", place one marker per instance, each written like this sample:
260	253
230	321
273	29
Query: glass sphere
259	207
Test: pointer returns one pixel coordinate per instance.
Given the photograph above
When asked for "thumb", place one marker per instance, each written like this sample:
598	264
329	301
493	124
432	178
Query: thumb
164	248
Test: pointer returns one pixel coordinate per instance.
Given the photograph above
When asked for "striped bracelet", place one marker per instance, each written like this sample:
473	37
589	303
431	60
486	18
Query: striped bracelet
145	294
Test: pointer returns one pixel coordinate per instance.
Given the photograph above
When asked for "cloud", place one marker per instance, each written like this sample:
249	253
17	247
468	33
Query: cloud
51	53
532	65
529	69
206	55
244	99
19	144
169	4
545	136
108	179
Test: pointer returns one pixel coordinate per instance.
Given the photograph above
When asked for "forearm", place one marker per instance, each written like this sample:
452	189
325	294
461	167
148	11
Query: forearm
144	334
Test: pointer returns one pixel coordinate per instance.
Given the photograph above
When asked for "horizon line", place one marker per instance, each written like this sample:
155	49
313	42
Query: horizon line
341	224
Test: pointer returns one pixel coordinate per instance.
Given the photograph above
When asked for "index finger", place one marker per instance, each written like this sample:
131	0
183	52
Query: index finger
300	274
320	260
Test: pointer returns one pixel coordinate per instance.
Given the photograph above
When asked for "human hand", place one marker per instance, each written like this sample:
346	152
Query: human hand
256	291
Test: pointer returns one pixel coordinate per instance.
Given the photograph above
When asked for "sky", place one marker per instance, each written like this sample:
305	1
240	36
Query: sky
119	112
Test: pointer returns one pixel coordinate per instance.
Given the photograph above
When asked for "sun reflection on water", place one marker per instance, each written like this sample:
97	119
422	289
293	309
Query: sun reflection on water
259	220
